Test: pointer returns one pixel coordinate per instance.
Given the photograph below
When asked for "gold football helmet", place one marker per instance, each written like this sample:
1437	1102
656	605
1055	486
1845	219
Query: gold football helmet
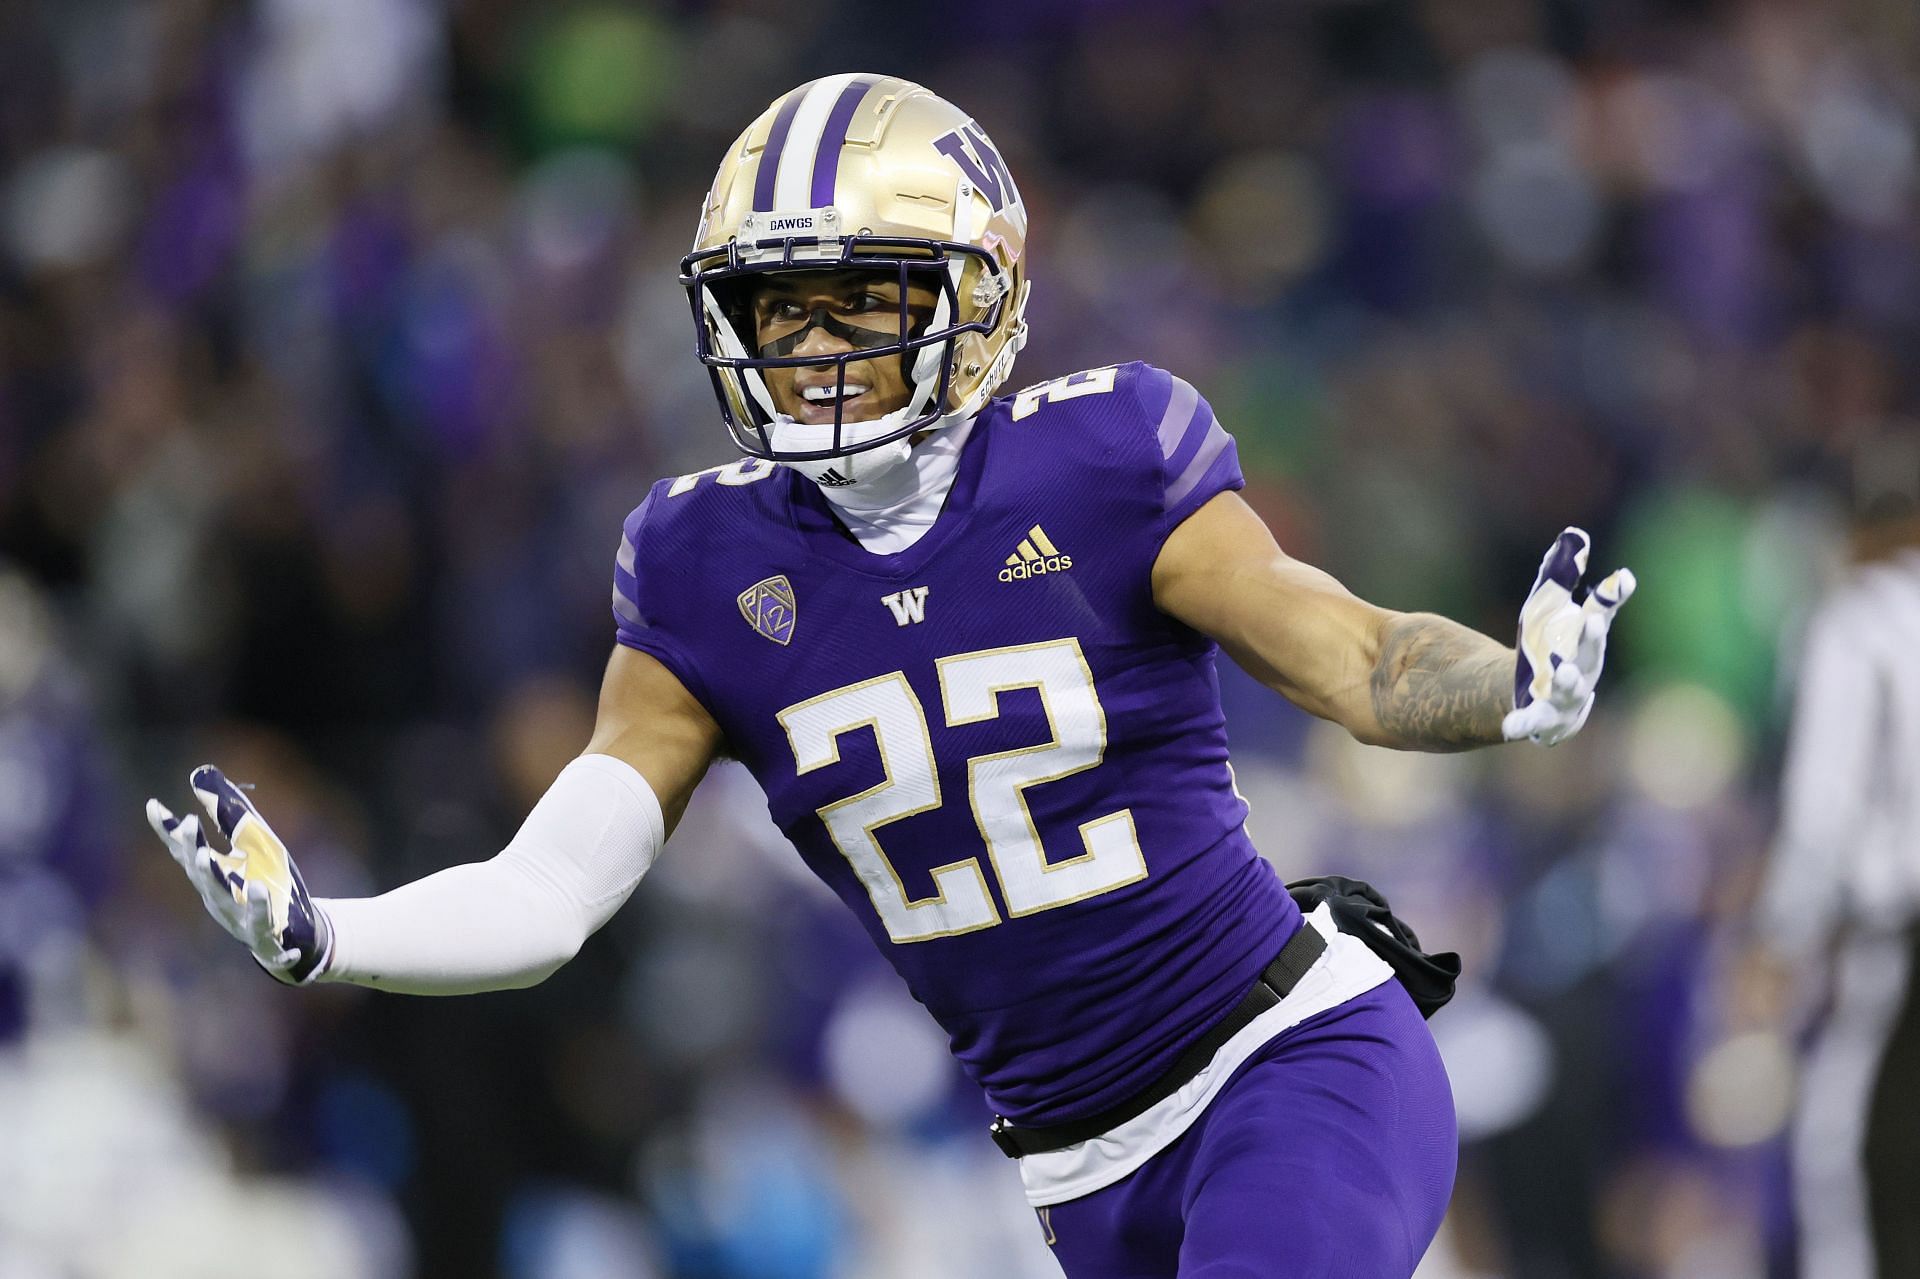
861	171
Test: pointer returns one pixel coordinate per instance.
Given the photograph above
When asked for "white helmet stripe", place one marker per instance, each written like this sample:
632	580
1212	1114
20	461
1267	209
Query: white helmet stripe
793	188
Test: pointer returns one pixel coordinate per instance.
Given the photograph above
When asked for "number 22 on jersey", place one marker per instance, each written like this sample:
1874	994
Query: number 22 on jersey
970	688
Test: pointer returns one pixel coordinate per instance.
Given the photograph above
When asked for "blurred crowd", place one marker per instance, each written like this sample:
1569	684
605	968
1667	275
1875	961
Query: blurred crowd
338	336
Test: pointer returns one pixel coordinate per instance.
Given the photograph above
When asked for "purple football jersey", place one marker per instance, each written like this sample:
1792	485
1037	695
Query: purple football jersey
995	749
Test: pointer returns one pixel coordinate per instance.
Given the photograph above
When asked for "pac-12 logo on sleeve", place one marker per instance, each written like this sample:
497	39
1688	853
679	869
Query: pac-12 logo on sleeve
769	608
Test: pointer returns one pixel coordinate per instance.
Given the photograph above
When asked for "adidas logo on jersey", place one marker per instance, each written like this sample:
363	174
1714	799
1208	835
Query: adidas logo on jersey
1035	555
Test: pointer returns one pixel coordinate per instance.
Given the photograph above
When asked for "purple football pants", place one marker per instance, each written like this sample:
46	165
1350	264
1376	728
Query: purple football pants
1329	1153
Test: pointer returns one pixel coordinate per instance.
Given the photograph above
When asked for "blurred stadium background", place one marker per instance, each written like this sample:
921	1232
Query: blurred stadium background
337	337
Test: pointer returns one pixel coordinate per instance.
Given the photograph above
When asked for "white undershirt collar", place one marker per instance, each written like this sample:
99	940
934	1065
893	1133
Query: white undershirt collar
892	511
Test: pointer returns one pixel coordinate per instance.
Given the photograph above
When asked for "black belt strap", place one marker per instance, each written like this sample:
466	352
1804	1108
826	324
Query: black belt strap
1276	982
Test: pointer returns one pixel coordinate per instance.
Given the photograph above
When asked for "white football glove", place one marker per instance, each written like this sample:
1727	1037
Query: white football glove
1562	643
253	889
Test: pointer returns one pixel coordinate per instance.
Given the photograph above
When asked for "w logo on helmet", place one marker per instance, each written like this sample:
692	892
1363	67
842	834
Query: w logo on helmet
986	170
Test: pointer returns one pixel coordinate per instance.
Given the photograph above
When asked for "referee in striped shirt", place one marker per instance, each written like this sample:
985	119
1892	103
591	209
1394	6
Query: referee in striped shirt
1843	886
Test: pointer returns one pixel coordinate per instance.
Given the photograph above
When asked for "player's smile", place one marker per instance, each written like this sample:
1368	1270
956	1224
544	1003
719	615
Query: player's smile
829	313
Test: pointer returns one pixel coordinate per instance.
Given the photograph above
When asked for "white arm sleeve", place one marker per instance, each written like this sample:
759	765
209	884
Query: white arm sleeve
512	920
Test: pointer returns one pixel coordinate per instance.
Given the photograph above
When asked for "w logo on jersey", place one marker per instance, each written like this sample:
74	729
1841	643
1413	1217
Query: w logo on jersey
968	147
908	606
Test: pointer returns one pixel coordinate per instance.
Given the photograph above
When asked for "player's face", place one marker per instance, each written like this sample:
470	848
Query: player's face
828	313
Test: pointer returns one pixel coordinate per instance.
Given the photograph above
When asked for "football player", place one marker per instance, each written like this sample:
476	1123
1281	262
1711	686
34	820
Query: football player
966	644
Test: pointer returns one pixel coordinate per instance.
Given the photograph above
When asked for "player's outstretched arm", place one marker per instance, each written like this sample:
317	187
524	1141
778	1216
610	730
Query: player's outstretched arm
505	922
1414	681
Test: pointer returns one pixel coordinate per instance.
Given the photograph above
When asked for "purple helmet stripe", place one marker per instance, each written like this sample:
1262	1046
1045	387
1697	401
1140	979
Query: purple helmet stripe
826	157
770	154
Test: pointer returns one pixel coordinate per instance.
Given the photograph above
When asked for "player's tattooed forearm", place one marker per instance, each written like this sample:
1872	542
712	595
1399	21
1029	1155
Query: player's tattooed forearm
1440	686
